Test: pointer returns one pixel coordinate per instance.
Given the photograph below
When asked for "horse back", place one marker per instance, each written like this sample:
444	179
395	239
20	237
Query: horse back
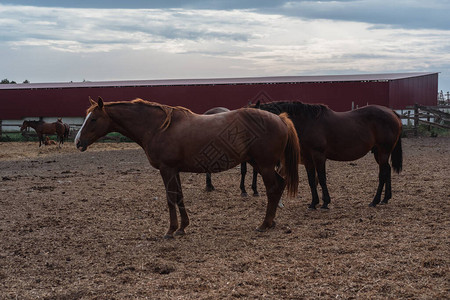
214	143
216	110
347	136
381	119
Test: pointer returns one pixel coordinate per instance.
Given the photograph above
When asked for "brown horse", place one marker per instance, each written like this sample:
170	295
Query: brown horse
210	186
177	140
66	128
344	136
43	128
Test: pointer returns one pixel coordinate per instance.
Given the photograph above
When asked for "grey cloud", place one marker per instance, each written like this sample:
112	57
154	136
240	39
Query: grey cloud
411	14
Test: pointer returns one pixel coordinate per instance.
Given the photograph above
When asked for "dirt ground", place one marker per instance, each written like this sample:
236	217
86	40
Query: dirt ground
90	226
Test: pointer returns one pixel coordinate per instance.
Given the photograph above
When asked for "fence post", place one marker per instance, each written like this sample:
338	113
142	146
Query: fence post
416	119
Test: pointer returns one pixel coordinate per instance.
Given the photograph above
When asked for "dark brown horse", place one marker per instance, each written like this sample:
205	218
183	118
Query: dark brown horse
42	128
177	140
344	136
210	186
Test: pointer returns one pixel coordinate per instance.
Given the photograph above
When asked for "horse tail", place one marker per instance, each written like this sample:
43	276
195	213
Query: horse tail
291	157
397	153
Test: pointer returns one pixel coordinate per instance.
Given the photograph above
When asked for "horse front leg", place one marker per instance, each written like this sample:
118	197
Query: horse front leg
322	176
275	185
209	185
242	185
173	186
311	172
255	183
183	214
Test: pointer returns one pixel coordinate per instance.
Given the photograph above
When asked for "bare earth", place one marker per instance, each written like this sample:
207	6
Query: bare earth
90	226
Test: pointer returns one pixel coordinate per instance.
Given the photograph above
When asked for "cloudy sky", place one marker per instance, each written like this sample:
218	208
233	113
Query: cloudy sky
58	41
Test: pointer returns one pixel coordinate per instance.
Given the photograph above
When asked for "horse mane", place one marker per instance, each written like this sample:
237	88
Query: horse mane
167	109
35	122
295	108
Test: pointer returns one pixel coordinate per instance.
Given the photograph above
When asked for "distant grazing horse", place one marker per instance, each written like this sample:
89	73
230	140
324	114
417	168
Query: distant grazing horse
43	128
177	140
344	136
209	185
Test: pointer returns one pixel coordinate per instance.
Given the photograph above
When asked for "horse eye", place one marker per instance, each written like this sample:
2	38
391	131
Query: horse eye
93	120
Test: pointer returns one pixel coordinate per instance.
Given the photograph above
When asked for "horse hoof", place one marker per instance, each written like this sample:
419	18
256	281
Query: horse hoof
324	207
384	202
372	204
180	233
209	189
264	228
261	229
256	194
244	195
168	236
311	207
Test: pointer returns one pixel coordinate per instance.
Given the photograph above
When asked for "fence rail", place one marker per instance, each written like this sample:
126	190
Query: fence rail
431	116
435	116
29	133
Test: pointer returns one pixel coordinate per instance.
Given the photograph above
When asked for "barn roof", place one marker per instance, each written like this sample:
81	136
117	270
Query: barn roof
218	81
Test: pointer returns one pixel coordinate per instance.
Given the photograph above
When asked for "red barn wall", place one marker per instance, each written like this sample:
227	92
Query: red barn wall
72	102
408	91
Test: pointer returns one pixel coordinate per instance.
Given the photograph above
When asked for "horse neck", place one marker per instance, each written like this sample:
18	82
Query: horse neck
135	121
33	124
300	113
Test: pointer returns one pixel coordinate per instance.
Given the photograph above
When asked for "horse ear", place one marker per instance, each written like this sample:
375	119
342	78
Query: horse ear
100	102
92	101
258	104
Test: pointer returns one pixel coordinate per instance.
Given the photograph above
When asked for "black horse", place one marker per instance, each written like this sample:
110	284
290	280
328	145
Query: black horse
344	136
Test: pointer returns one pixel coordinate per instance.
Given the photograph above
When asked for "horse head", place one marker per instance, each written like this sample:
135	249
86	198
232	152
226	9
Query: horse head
24	126
96	125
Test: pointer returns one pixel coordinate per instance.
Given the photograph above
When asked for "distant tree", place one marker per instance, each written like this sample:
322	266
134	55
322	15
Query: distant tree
6	81
26	81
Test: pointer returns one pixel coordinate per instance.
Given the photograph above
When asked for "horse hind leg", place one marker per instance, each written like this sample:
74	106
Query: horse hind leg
275	185
383	179
388	187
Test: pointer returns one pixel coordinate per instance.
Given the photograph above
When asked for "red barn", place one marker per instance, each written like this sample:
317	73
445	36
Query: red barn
340	92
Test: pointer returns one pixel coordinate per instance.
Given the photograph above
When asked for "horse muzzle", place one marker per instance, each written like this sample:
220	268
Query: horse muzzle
81	146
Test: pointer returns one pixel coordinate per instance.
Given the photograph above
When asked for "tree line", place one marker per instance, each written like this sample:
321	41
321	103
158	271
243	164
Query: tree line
6	81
